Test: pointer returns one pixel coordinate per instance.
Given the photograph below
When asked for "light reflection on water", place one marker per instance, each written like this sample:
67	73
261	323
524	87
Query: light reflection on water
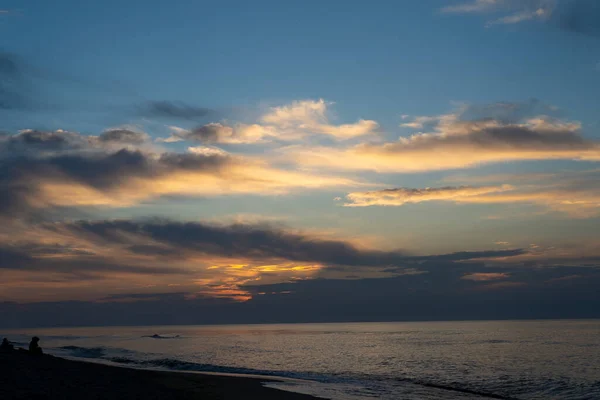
443	360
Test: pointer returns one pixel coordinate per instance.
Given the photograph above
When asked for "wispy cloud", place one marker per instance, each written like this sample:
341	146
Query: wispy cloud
574	16
401	196
578	199
172	109
292	122
516	10
485	276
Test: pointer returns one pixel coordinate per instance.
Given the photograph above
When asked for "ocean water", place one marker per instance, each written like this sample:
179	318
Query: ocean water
408	360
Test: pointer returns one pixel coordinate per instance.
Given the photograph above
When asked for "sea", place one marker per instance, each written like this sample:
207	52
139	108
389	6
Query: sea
352	361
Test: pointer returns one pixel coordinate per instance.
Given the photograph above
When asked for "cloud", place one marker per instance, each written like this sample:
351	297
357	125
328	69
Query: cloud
485	276
475	6
172	109
401	196
15	90
579	16
310	117
455	143
292	122
255	242
207	259
575	16
217	133
123	136
36	257
516	10
64	169
577	198
30	141
527	294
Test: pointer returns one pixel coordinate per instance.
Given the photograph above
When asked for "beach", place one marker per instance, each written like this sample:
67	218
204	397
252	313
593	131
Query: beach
23	376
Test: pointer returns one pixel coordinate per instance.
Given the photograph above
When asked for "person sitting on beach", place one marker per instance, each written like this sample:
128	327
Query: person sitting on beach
34	347
6	346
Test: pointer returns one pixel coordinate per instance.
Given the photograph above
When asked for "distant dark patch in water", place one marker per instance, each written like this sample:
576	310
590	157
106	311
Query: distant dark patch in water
494	341
122	360
155	336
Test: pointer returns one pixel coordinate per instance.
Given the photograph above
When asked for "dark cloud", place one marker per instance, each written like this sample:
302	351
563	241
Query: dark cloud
22	173
123	136
34	142
575	16
207	134
258	243
35	258
25	86
14	86
579	16
508	112
172	109
210	133
13	259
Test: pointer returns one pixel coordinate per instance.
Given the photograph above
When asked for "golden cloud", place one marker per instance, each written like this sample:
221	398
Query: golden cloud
457	144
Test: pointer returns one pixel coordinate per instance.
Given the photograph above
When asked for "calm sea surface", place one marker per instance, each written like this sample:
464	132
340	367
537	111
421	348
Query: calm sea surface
432	360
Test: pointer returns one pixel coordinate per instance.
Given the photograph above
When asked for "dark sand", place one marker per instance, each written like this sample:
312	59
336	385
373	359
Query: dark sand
23	376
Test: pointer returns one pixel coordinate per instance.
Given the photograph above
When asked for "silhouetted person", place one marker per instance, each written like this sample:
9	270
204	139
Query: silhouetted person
6	346
34	347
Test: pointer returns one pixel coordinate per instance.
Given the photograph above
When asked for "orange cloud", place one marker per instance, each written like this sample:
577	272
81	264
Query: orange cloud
578	199
399	197
241	176
485	276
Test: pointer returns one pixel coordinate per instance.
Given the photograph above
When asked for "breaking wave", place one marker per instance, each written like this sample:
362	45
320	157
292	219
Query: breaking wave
102	354
85	352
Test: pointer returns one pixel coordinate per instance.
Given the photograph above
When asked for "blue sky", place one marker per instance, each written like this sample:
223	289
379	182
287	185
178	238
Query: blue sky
433	127
377	62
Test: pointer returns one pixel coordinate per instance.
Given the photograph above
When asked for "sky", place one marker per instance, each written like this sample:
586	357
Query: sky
251	162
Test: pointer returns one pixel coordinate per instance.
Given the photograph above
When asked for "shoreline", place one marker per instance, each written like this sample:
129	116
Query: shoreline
24	376
262	378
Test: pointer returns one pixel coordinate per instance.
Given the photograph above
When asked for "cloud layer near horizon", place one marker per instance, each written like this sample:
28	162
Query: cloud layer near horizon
213	260
58	257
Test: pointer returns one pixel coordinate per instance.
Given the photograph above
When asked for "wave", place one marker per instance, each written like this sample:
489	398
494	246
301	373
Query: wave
85	352
100	353
457	389
178	365
64	337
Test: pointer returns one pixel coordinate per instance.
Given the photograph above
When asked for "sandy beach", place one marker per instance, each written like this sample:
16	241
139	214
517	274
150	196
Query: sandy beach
23	376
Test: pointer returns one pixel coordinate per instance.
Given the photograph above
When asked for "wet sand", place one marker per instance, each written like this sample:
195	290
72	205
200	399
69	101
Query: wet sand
23	376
